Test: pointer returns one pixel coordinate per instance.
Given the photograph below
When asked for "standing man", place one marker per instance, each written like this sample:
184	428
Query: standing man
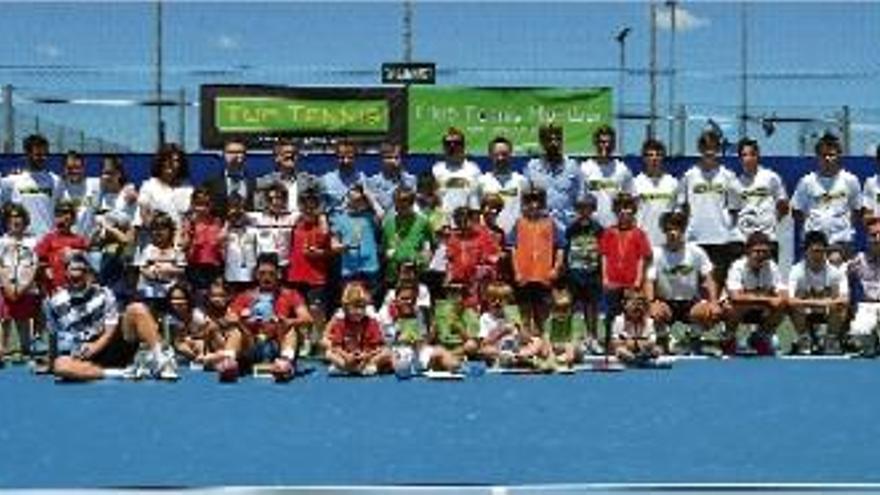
829	200
556	174
457	177
233	178
761	198
708	194
606	176
392	177
35	187
84	192
337	183
656	191
285	155
505	182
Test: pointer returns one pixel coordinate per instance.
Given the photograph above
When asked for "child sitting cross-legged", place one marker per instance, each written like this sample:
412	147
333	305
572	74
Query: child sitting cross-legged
354	342
504	341
633	338
454	332
564	331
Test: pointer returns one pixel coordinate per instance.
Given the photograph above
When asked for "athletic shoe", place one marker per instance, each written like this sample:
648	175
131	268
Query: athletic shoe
227	370
370	370
282	370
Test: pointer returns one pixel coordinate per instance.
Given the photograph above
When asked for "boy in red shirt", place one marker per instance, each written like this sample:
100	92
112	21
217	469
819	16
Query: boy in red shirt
537	255
54	246
472	256
270	317
311	255
625	251
203	242
353	341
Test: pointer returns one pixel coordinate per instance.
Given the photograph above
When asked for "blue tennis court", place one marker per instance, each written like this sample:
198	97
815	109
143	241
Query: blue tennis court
701	422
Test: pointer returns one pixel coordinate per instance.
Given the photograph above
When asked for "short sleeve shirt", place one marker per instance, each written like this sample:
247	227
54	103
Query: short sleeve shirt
605	181
677	274
828	203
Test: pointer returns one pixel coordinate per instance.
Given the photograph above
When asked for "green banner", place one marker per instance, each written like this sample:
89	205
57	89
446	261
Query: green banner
282	114
515	113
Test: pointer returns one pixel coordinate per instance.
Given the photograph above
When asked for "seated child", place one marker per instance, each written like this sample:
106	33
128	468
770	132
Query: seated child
455	330
564	331
503	341
354	342
633	338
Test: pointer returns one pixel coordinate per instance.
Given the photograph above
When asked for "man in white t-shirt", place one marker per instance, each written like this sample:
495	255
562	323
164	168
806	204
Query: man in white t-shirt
829	200
761	200
708	194
606	176
819	296
756	294
871	194
84	192
656	191
505	182
457	177
35	187
681	287
865	270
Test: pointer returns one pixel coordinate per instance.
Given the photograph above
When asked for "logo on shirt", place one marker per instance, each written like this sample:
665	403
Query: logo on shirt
682	270
602	185
709	188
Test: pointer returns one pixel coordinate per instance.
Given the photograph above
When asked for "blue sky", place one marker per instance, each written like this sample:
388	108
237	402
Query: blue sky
807	59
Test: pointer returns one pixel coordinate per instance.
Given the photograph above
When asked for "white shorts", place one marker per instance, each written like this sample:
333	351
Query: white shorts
866	319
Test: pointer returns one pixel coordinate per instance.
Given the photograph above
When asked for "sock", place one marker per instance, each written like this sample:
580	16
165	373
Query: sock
114	373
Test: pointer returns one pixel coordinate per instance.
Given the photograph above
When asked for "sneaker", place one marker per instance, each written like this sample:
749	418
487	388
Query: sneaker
227	370
370	370
164	367
282	370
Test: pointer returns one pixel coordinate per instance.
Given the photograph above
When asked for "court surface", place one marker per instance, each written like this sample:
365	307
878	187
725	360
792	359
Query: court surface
732	421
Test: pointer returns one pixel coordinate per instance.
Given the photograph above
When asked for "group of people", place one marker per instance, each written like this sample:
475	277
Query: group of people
395	270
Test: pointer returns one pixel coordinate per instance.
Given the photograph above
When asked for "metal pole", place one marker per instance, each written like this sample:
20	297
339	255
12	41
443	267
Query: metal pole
181	115
671	103
682	132
407	30
621	89
160	133
652	124
744	66
9	120
845	129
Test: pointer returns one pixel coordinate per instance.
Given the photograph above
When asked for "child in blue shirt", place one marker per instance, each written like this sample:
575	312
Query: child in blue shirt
357	231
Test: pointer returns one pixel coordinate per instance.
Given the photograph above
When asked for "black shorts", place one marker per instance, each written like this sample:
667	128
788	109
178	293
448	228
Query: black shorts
533	293
119	353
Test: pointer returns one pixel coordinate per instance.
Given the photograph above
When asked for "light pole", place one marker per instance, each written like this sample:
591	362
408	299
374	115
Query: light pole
160	125
652	73
744	69
671	5
621	84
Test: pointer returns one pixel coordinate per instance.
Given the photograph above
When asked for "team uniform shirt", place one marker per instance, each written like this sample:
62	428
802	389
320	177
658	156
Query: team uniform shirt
567	329
206	243
163	260
757	196
605	181
676	274
563	184
510	187
828	203
582	255
363	336
335	187
260	311
764	281
303	268
622	250
535	241
405	238
241	253
468	255
382	188
84	196
623	328
273	233
52	249
656	196
805	283
710	196
457	185
37	192
79	318
157	196
358	235
871	195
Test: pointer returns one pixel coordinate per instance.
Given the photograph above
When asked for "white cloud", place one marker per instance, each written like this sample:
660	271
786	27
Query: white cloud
226	42
685	20
48	50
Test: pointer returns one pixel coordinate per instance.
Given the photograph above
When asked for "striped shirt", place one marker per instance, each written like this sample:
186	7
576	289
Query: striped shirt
77	318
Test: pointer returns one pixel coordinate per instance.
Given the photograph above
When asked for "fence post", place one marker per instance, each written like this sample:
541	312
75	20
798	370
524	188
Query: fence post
9	120
682	119
845	122
181	115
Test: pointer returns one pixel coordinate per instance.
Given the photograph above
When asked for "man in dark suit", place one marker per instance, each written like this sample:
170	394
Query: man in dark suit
233	178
